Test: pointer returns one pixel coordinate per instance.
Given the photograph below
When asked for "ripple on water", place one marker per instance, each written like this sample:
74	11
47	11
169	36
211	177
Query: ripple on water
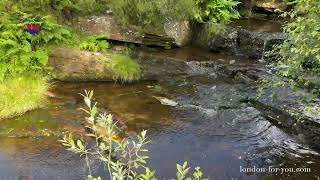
210	127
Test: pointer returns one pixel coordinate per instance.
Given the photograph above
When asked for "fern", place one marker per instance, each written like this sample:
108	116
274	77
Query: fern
95	43
21	52
217	11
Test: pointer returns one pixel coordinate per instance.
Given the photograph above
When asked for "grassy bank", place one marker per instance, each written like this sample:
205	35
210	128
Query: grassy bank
21	94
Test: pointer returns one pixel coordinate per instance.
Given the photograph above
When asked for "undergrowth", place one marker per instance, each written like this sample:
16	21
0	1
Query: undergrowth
22	52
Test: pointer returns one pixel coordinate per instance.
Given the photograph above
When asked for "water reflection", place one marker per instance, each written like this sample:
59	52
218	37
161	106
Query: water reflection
210	128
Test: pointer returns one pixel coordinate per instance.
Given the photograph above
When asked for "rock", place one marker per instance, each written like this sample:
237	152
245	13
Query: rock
246	7
271	6
243	78
77	65
226	42
263	6
236	40
240	71
255	44
158	66
166	101
106	24
232	62
300	126
94	25
180	30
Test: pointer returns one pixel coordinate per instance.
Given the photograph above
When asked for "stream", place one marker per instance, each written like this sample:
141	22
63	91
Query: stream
210	127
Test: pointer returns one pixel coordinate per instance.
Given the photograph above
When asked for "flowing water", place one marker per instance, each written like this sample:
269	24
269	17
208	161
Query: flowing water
210	127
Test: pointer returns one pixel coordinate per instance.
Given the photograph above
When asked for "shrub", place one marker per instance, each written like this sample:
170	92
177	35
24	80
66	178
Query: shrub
22	52
124	158
95	43
21	94
298	58
124	68
217	11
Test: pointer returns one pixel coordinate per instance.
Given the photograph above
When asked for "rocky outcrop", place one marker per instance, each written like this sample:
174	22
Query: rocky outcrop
238	41
77	65
270	5
301	125
263	6
176	32
180	30
160	68
255	44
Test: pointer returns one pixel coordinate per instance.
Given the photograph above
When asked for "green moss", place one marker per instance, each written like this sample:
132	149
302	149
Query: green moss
124	68
21	94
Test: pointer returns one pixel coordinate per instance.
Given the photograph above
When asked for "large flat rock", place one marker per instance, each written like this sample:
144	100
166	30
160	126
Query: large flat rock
77	65
175	32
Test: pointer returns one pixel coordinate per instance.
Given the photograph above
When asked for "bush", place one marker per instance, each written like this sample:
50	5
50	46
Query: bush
299	56
21	94
124	158
22	52
124	68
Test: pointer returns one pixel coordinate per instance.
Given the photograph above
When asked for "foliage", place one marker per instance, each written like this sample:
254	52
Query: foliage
125	158
21	94
299	56
151	14
95	43
22	52
217	11
124	68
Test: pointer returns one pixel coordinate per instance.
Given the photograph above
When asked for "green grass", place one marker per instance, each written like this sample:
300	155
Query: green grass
124	68
21	94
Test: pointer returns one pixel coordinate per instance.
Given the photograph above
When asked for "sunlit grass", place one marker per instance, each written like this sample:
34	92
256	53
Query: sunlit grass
21	94
124	68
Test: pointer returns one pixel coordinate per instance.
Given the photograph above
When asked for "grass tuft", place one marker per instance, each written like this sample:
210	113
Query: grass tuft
124	68
21	94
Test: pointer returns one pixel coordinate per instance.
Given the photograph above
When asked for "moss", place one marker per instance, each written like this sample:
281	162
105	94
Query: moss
21	94
124	68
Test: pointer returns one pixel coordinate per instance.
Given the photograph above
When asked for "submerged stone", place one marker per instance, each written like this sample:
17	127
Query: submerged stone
166	101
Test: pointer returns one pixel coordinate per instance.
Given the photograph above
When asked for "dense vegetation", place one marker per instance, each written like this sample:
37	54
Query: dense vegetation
298	58
22	52
123	157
